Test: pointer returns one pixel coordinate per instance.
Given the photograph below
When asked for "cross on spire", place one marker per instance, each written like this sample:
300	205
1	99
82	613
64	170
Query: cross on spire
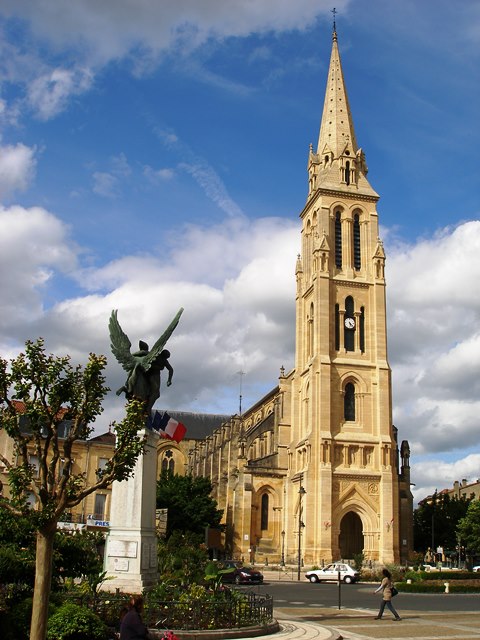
334	11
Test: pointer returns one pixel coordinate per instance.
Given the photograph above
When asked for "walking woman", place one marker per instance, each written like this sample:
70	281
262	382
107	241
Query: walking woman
386	587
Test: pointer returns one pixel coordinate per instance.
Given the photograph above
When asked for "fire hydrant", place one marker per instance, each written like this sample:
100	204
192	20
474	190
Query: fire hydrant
447	587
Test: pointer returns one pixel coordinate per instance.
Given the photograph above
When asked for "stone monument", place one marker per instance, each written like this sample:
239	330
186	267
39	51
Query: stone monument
131	545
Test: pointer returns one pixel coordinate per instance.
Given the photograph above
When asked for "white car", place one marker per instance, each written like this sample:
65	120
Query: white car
476	569
330	572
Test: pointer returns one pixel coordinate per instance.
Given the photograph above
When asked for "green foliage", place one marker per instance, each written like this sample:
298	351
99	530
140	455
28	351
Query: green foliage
214	573
190	507
447	576
181	559
443	513
16	565
78	554
72	622
468	529
15	624
358	560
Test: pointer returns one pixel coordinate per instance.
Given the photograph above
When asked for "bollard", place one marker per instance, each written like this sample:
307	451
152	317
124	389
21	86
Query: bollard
447	587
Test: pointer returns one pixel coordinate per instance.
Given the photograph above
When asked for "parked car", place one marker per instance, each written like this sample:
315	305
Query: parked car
347	573
241	574
476	569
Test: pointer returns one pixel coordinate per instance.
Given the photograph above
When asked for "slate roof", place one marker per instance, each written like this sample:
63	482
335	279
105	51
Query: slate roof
104	438
198	425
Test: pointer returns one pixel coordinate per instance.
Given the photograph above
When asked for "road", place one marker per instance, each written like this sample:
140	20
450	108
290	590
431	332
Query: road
359	596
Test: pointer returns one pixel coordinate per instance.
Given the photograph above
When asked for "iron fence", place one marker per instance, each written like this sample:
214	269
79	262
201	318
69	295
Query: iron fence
230	613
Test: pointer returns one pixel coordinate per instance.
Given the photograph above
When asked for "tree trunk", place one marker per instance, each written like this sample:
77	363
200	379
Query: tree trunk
43	582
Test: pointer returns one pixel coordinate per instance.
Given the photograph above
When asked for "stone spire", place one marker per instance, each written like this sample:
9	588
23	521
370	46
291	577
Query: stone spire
336	130
339	163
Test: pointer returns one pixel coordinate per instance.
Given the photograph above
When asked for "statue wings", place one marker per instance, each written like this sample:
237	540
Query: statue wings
121	345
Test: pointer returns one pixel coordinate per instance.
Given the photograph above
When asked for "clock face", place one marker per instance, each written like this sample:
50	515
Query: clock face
350	323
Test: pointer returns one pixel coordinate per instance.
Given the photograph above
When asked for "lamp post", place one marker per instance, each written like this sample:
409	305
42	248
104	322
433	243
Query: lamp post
282	560
301	493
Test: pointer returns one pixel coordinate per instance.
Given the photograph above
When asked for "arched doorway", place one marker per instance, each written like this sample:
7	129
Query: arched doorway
351	535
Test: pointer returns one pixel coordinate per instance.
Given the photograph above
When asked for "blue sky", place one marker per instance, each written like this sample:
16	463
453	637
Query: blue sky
153	155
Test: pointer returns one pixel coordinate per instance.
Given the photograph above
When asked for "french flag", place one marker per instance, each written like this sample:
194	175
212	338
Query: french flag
168	427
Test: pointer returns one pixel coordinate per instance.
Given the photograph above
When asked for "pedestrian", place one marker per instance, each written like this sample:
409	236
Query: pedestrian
132	627
386	586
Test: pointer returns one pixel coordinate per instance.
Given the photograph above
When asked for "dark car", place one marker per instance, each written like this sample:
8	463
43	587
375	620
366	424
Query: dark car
241	574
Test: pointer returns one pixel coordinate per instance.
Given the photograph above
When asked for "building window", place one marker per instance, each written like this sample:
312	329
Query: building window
362	329
310	331
264	515
349	402
34	462
338	240
337	327
356	242
99	510
101	464
347	172
168	463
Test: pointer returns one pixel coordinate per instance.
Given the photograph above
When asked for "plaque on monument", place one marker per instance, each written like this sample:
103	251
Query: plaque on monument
122	548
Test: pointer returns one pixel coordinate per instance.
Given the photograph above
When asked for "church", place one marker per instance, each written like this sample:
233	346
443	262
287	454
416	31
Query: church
314	471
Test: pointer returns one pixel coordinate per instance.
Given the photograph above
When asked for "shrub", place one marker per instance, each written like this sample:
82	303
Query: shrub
72	622
358	560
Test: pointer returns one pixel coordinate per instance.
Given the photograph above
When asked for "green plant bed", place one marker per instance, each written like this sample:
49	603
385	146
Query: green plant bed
73	622
448	576
419	587
436	587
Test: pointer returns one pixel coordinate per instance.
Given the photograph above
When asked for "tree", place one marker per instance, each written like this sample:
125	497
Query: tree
468	529
435	521
38	394
190	507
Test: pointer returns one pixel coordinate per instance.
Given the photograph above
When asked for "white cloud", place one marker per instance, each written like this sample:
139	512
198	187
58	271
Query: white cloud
113	28
434	339
105	184
157	175
430	474
17	167
34	247
49	93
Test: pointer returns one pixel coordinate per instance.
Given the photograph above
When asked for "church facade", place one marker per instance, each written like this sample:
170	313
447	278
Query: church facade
313	471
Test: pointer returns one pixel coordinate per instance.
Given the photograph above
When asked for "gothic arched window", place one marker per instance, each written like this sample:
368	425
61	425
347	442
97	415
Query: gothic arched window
347	172
349	402
337	327
310	331
338	240
362	329
264	512
168	463
357	263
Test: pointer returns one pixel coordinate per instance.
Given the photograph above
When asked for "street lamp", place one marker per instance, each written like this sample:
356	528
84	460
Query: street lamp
301	493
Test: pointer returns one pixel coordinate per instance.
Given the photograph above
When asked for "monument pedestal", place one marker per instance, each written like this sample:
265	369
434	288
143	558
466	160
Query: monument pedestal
131	545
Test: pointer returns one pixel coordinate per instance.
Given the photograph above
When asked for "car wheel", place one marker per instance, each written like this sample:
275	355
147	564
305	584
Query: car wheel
313	578
348	579
238	580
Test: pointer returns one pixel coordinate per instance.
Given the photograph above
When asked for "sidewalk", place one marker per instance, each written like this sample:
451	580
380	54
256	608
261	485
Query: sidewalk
354	624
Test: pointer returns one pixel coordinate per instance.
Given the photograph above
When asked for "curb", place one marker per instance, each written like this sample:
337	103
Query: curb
219	634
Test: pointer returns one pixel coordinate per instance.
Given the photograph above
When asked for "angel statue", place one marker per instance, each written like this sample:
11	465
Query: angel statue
143	366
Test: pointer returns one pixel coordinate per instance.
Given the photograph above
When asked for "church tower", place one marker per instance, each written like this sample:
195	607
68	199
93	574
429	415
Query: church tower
312	471
343	450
